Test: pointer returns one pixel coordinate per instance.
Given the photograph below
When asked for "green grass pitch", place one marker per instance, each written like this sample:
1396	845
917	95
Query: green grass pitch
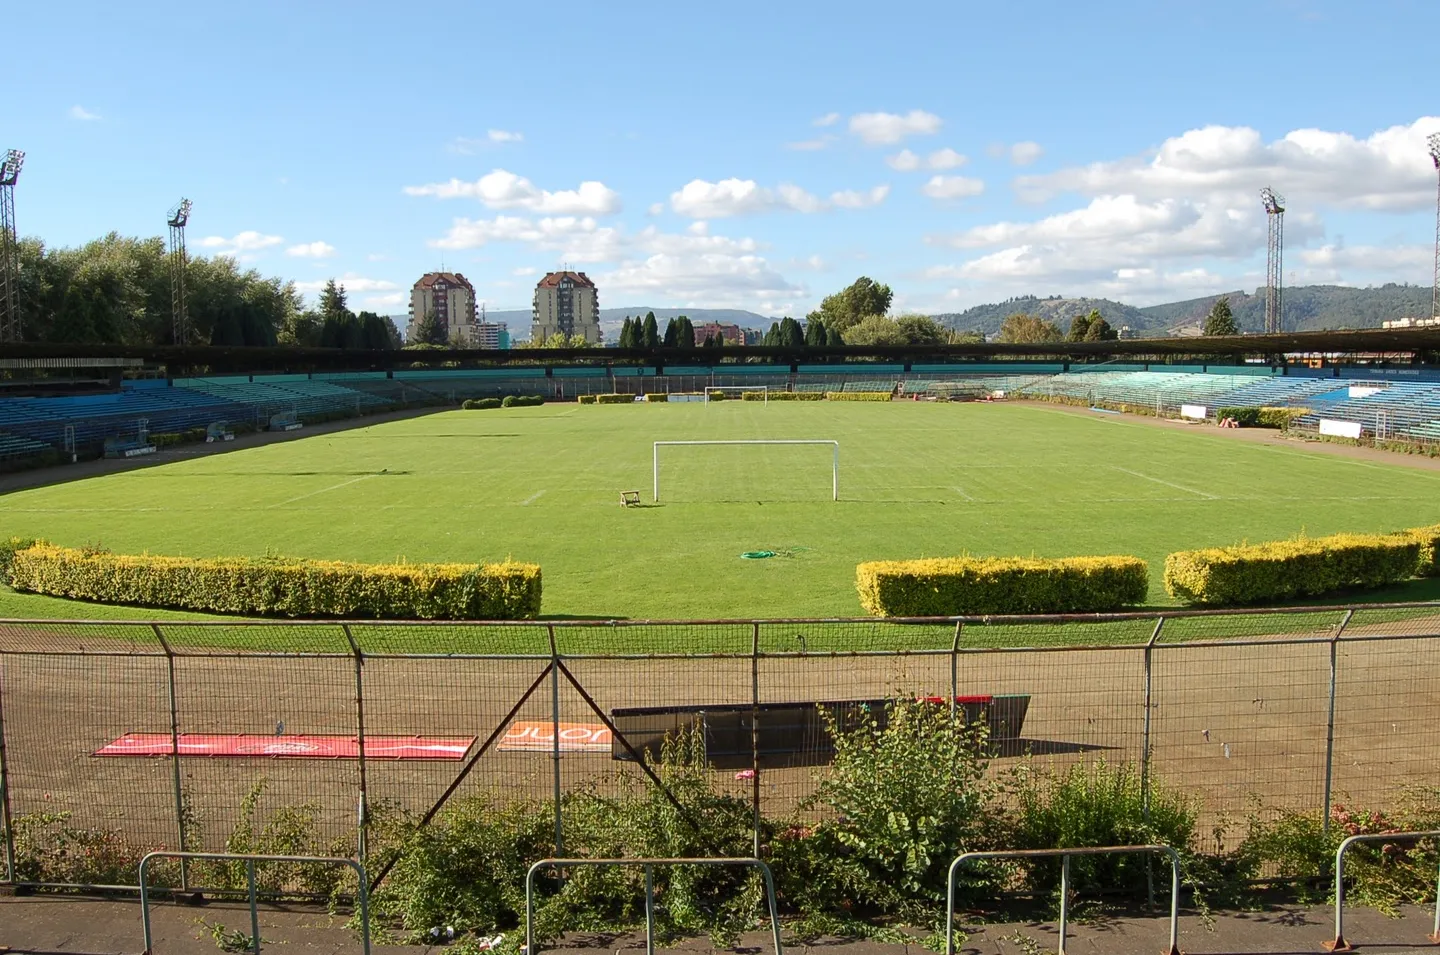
543	484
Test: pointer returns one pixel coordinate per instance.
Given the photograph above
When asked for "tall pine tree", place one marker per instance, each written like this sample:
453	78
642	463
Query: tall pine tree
651	332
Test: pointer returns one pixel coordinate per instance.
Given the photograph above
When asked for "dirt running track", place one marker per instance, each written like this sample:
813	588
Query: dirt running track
1229	723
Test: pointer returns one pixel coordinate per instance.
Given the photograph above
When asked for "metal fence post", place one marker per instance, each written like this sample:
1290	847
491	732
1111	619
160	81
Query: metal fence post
363	810
1145	751
954	669
6	820
555	734
754	737
1330	724
175	753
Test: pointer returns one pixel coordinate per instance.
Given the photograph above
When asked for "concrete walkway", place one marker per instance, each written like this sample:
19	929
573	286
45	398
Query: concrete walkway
95	926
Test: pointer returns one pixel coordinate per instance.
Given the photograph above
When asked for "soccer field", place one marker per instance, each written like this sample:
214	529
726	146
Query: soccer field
543	485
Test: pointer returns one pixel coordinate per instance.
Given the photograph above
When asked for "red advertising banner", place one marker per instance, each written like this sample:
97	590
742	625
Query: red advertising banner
247	746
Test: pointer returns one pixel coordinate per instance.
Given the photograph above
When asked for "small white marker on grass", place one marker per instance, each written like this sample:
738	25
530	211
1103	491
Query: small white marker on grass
532	498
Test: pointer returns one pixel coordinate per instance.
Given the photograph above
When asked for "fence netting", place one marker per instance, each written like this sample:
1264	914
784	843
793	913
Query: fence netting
121	738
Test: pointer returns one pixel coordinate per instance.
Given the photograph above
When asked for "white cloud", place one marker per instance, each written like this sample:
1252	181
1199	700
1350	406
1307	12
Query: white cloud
504	136
376	257
242	245
656	208
953	187
83	114
354	284
906	161
1023	154
1164	223
733	197
384	301
525	270
693	267
1390	170
311	250
811	145
882	129
502	189
851	199
829	119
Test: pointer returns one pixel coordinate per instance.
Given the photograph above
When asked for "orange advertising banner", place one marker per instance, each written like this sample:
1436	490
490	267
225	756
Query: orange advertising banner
539	738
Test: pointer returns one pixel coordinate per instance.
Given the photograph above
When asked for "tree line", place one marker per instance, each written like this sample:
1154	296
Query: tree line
116	291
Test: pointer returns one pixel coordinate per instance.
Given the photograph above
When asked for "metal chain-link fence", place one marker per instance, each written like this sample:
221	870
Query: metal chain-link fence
118	738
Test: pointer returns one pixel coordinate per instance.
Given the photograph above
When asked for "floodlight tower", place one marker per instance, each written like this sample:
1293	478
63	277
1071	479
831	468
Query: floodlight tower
1434	144
10	325
1274	258
177	219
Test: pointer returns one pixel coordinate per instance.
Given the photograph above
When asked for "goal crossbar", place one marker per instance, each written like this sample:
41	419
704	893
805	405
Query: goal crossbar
834	466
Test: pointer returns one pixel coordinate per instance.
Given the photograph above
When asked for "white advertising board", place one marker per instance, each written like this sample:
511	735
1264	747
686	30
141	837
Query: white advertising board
1341	429
1192	411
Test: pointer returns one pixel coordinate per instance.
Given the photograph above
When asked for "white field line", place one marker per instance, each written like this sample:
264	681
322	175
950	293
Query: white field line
323	490
532	498
1178	487
961	492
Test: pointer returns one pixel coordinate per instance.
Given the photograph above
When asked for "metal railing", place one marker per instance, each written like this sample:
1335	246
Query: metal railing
1339	943
362	891
649	866
1065	855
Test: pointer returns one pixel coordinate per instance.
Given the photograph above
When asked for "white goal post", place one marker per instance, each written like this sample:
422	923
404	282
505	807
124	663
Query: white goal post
834	466
738	390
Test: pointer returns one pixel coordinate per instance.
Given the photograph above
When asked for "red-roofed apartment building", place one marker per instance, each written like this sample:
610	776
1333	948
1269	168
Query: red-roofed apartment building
449	297
566	303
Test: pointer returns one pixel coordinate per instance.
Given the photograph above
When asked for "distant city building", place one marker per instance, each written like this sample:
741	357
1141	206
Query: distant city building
450	298
492	335
730	334
1411	323
566	303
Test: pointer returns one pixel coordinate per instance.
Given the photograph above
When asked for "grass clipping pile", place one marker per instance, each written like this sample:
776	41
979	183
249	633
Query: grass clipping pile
282	586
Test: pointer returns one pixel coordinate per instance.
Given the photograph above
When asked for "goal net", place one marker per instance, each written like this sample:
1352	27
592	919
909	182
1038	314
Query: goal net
736	392
741	446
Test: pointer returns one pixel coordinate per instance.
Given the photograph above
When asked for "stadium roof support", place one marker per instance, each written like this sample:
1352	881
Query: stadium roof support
1434	143
176	220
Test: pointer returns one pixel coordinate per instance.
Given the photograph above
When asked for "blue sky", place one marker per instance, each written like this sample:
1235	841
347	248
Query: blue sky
755	155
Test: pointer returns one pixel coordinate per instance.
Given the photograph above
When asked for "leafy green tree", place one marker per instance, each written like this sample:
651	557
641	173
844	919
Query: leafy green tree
815	333
1079	327
862	298
672	334
1220	321
1100	330
332	301
772	337
627	333
374	332
685	332
874	330
428	331
921	330
789	334
1029	329
651	335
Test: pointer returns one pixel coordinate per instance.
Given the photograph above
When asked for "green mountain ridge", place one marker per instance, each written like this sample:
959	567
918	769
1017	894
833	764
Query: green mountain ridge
1303	308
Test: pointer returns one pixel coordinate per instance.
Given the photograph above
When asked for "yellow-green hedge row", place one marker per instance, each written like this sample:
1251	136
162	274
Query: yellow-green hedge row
656	396
614	399
1429	538
951	586
585	399
1281	570
282	586
797	396
857	396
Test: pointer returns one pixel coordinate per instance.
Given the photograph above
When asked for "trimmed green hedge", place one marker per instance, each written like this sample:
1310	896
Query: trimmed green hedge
1262	417
657	396
586	399
797	396
952	586
283	586
614	399
522	401
480	404
857	396
1282	570
754	395
8	549
1428	564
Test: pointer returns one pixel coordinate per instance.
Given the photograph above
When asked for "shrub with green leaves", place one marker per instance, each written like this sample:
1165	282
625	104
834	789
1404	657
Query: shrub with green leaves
1094	805
283	586
1283	570
753	395
857	396
797	396
955	586
481	404
1429	539
1262	417
8	548
656	396
614	399
586	399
